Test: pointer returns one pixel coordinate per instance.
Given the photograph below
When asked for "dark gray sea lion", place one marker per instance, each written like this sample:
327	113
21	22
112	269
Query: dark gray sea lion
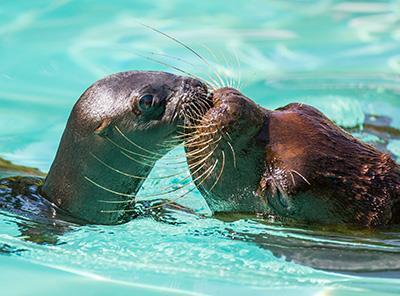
292	162
115	134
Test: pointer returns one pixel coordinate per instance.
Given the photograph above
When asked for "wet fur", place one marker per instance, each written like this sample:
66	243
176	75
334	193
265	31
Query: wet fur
298	165
343	180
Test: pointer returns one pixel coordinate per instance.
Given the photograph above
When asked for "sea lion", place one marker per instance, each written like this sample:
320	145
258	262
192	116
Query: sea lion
292	162
114	135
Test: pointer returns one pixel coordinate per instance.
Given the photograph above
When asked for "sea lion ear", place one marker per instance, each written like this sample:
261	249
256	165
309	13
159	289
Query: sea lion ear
102	126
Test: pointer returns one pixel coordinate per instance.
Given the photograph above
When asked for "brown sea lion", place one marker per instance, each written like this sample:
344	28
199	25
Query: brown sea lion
292	162
115	134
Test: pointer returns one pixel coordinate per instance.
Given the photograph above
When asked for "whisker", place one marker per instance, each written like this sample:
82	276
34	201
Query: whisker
301	176
221	171
196	126
239	71
176	68
228	78
202	176
233	153
194	133
194	187
203	159
187	138
152	207
191	115
136	145
222	82
123	211
212	169
109	190
170	144
181	43
171	186
131	175
172	201
147	158
202	106
116	170
152	158
175	58
194	142
157	194
204	148
198	143
213	82
293	181
139	162
197	111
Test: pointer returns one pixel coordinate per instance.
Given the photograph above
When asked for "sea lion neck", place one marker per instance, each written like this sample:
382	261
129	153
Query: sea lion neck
96	181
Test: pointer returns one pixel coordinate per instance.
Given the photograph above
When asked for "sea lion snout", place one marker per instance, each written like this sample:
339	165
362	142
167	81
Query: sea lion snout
233	112
189	84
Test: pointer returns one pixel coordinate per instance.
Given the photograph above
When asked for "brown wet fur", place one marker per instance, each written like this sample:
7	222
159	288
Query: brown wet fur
295	163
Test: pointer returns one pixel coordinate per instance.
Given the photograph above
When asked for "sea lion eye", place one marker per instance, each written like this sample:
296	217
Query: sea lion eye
146	102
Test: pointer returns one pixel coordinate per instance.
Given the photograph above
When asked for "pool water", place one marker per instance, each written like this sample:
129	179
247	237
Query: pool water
342	57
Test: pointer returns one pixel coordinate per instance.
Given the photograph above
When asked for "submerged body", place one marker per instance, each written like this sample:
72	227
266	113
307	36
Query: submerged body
114	136
292	162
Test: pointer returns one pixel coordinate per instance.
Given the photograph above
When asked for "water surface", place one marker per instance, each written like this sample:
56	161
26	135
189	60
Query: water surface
342	57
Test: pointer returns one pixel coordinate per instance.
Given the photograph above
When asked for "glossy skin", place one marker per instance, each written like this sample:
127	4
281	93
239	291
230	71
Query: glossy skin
296	163
115	134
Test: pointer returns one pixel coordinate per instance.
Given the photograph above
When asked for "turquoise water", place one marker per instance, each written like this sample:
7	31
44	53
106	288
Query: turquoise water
340	56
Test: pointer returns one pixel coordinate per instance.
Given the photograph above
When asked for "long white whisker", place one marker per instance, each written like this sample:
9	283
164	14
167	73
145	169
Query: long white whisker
181	43
136	145
221	171
301	176
109	190
233	154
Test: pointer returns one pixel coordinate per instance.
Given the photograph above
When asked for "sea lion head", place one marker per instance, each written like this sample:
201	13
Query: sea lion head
224	148
292	162
115	134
